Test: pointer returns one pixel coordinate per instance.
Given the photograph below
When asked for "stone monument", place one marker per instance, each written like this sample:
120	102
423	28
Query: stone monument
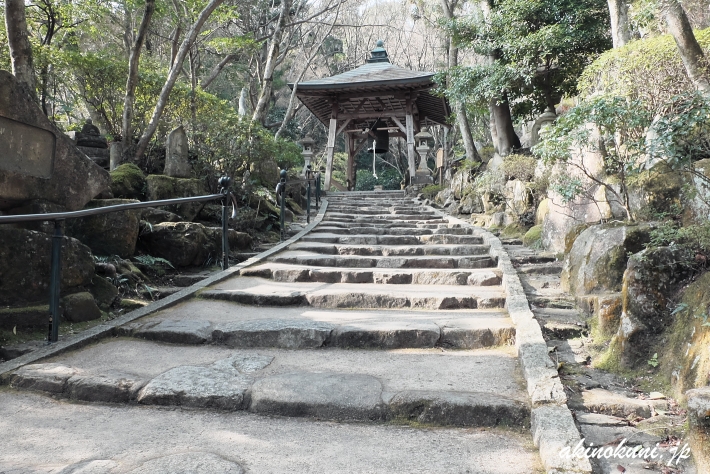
93	144
176	164
546	119
39	162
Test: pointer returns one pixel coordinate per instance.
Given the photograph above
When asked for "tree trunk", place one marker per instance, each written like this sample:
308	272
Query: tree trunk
216	70
688	47
132	81
267	81
172	77
507	138
620	31
20	48
461	118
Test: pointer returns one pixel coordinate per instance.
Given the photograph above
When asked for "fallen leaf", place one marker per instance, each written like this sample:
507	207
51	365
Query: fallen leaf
656	396
14	330
620	468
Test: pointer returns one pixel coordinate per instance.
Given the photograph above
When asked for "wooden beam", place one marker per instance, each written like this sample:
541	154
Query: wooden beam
331	144
342	127
399	124
351	162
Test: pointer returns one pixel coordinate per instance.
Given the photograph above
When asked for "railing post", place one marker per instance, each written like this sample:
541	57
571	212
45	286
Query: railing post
281	195
55	282
224	183
308	195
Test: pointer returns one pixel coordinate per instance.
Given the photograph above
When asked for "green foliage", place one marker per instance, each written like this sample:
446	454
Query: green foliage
656	60
653	361
540	49
237	144
151	261
390	179
568	187
694	239
431	190
365	181
521	167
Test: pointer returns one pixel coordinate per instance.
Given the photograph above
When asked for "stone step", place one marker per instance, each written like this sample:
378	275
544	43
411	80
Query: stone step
424	386
356	261
391	239
293	273
557	323
549	268
362	230
262	292
387	217
391	251
240	326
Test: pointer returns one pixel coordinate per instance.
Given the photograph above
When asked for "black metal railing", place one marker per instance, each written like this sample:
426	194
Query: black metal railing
59	217
310	179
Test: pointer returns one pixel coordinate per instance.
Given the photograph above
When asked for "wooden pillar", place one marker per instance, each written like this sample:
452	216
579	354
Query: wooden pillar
351	162
409	123
332	129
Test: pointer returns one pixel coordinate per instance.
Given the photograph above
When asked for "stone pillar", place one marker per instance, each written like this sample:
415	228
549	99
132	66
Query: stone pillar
176	164
115	155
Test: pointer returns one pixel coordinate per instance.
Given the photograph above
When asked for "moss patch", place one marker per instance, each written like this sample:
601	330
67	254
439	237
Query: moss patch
512	231
128	181
533	235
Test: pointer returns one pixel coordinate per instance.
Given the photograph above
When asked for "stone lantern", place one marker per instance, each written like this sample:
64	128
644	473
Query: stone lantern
307	152
422	140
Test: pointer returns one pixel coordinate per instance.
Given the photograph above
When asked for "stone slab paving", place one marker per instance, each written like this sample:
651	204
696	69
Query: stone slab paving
53	436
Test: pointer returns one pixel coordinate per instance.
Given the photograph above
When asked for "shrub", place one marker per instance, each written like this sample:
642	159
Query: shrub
431	190
520	167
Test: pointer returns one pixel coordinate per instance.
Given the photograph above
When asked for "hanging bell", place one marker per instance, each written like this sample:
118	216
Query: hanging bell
382	137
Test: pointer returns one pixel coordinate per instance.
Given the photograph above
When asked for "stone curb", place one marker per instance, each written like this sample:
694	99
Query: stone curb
553	426
110	328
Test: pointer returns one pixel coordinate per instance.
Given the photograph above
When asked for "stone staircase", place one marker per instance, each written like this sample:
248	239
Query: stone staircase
385	312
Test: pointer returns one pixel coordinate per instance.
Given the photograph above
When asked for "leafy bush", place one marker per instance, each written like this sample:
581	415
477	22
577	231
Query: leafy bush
520	167
431	190
695	239
365	181
656	60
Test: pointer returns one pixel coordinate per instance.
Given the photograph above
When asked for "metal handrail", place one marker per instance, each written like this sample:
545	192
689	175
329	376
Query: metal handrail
59	217
54	216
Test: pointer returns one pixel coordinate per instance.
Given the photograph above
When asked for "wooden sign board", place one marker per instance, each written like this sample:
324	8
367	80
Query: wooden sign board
440	158
26	149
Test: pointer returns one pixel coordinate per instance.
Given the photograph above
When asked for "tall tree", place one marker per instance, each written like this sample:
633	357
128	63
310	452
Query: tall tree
693	58
267	79
453	60
175	70
20	48
619	15
132	80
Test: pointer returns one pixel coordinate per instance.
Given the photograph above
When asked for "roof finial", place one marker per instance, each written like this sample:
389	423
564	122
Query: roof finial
379	54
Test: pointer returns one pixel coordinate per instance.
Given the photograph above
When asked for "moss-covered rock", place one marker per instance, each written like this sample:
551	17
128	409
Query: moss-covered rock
80	307
237	240
164	187
657	191
650	283
597	260
114	233
128	181
103	291
513	231
533	235
25	261
24	317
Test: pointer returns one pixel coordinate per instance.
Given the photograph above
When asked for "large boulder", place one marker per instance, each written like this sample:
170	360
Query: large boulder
113	233
128	182
164	187
25	261
237	240
697	209
597	259
650	283
39	206
39	161
182	243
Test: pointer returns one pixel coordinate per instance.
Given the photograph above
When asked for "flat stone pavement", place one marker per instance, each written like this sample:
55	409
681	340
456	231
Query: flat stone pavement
378	342
44	435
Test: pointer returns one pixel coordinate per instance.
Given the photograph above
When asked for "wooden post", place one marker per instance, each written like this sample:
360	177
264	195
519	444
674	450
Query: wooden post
332	129
351	162
411	160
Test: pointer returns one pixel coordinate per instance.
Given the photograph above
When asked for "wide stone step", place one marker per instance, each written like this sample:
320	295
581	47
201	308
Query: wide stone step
240	326
292	273
262	292
356	261
387	217
423	386
362	230
391	239
391	251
